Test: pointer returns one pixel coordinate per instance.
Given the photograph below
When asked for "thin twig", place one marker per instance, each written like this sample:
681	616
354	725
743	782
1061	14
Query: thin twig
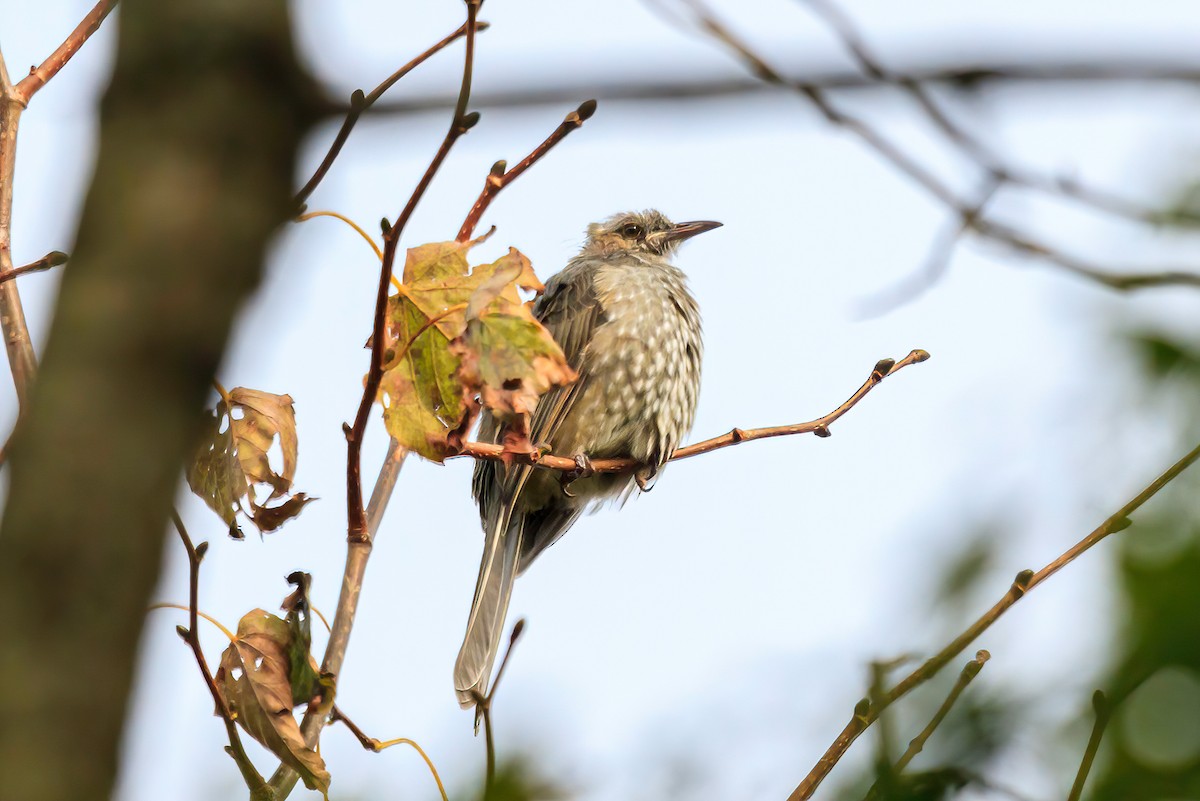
500	177
38	76
362	523
819	427
917	744
459	125
191	635
13	99
22	360
1103	713
359	103
374	745
978	72
910	166
1025	581
52	259
483	706
996	169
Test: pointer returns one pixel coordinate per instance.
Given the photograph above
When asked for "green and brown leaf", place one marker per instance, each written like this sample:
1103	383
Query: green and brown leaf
458	337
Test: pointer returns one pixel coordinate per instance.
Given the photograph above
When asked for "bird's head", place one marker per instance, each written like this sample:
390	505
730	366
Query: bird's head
647	233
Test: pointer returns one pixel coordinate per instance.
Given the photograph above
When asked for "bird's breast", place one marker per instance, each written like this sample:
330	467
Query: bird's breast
643	363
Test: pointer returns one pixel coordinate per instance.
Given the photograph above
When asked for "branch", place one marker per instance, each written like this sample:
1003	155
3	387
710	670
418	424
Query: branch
17	342
373	745
1025	581
362	523
459	125
39	76
917	744
500	178
359	103
191	636
1103	713
483	708
819	427
995	168
52	259
981	71
969	213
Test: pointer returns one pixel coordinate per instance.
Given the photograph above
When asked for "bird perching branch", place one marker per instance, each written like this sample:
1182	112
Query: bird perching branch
359	103
819	427
1025	581
500	176
969	214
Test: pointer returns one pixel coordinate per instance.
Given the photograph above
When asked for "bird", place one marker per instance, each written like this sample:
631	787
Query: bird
630	328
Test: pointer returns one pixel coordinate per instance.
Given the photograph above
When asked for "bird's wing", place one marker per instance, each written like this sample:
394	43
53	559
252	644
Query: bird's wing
571	311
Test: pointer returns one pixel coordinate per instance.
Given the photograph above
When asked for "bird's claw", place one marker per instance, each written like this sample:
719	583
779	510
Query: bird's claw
583	469
645	478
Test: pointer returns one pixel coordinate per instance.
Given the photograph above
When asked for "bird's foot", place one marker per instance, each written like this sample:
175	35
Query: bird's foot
583	469
645	477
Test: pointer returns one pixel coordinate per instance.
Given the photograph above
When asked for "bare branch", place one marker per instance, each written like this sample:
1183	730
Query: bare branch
985	70
1103	713
459	125
191	636
500	177
969	213
40	75
819	427
917	744
359	103
1025	581
361	522
52	259
483	706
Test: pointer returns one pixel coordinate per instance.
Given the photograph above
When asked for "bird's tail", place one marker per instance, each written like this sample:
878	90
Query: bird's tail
497	571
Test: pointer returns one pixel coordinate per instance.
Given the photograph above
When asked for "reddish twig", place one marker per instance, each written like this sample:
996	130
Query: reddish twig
459	125
191	636
500	177
40	75
52	259
820	427
359	103
1025	581
360	524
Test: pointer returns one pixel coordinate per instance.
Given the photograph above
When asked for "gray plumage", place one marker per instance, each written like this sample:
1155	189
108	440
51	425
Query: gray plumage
624	318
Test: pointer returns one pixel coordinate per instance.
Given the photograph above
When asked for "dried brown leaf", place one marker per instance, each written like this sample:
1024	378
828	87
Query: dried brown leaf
253	678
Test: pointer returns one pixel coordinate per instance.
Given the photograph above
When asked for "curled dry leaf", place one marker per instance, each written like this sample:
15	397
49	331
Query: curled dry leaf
429	400
233	459
254	680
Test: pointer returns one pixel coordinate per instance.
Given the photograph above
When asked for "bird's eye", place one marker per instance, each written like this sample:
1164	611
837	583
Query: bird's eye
631	231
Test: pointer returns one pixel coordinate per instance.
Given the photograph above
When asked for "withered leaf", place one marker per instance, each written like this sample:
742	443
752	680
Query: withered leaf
510	359
233	459
425	407
263	418
269	518
253	678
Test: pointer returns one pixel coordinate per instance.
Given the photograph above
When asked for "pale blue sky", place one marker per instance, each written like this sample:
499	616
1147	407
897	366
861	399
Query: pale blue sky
726	619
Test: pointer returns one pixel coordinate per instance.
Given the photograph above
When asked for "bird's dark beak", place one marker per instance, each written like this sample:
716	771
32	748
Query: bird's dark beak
686	230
